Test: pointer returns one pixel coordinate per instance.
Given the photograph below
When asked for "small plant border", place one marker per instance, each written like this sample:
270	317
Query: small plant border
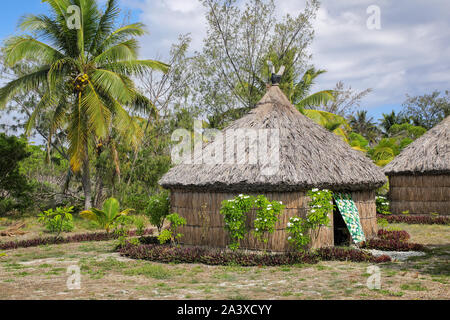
84	237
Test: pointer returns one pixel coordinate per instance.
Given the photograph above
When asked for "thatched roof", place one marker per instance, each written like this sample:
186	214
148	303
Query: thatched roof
430	154
310	157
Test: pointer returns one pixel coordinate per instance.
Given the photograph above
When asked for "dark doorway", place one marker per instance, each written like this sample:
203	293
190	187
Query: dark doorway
341	234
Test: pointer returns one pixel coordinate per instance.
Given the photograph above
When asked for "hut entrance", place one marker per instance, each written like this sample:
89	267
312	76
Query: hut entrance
341	234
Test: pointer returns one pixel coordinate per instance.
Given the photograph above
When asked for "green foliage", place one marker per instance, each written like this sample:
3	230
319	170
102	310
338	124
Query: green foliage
382	205
382	222
140	225
267	215
172	233
235	215
299	229
57	221
14	187
158	209
358	142
407	130
235	212
109	217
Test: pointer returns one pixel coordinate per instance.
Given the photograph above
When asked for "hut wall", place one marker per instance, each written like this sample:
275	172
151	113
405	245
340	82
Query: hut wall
205	224
422	194
367	208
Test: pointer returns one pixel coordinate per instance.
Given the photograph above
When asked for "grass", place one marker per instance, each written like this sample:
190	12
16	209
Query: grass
150	271
39	273
412	286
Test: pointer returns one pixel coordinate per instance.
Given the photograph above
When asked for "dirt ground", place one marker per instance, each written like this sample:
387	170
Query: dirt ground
41	273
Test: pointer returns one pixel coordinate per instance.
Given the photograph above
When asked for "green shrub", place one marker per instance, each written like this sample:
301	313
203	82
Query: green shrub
382	205
60	220
320	206
158	208
172	234
235	212
140	225
14	187
109	217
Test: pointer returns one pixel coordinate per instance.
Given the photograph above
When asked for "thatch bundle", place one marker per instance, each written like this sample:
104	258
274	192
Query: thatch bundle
309	157
419	178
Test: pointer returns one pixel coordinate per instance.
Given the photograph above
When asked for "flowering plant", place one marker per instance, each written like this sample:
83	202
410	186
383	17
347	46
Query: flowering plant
320	206
267	215
235	215
382	205
234	212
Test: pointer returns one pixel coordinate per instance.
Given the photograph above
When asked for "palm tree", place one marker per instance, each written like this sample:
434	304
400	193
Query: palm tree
364	125
85	75
390	120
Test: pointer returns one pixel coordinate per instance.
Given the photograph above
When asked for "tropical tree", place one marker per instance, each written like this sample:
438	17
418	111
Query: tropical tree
364	126
108	217
85	74
390	120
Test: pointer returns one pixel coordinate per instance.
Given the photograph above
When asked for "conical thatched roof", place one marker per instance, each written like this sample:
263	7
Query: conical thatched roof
429	154
309	157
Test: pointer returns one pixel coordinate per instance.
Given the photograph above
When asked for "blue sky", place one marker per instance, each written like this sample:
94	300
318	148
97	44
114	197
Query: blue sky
409	54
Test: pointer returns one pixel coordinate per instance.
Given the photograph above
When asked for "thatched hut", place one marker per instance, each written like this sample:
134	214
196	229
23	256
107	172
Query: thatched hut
419	177
309	157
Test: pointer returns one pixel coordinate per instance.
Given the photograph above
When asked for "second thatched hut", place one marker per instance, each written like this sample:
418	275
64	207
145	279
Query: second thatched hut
419	177
309	157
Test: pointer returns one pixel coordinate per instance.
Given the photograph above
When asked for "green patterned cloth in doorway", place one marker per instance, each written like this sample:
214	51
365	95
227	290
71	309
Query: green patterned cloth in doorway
350	214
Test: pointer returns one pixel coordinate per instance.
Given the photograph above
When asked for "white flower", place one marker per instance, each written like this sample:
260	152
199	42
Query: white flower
312	211
315	190
241	195
256	229
289	238
289	224
265	220
281	202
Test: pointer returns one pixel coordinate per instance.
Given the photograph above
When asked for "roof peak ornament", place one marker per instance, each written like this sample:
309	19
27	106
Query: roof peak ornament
275	78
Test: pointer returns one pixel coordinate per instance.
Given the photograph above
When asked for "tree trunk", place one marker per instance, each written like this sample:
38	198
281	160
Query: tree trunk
86	180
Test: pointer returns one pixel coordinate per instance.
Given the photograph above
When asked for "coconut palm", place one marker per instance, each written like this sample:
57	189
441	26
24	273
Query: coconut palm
85	75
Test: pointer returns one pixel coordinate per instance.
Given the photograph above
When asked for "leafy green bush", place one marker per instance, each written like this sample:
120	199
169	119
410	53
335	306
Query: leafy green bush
235	212
14	187
267	215
382	205
172	234
158	208
109	217
320	206
60	220
235	215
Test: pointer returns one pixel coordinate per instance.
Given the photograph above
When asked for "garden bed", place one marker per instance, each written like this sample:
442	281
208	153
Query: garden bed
93	236
415	219
208	256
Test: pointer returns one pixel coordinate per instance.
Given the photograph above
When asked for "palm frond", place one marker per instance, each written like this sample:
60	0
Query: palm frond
125	51
316	99
19	48
23	84
136	67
